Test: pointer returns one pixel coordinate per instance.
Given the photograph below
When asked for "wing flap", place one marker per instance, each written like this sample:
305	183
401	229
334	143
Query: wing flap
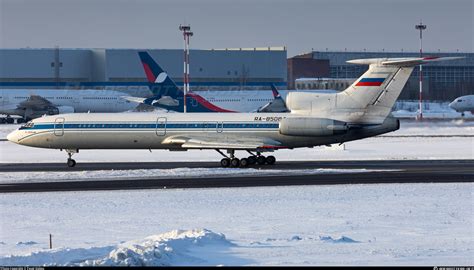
221	143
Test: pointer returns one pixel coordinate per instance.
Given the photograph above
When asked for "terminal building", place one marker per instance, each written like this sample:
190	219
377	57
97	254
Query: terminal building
441	81
121	69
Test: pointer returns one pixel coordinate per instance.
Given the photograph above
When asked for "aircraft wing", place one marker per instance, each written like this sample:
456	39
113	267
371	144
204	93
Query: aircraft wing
35	102
217	142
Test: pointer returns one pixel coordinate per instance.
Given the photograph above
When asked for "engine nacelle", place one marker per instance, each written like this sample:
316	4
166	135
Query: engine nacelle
66	109
309	126
59	110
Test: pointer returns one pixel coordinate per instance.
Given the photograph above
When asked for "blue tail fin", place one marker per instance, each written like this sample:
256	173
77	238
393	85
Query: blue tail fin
159	81
275	92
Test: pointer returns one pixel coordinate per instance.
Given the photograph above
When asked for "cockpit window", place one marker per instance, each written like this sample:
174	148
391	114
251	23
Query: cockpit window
459	100
30	124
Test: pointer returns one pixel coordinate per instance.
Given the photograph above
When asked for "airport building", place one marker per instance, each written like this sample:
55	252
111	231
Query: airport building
121	69
441	81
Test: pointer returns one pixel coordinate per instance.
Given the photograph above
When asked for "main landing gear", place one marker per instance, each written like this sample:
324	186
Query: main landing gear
253	159
71	162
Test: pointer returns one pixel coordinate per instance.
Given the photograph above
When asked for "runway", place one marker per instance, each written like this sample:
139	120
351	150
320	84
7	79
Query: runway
397	171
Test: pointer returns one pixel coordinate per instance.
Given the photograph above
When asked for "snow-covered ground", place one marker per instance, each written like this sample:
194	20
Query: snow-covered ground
375	148
389	224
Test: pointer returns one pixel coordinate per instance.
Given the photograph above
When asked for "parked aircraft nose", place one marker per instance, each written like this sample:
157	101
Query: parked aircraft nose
452	105
13	136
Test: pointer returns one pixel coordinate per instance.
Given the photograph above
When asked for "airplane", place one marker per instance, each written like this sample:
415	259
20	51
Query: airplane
362	110
31	104
463	104
168	96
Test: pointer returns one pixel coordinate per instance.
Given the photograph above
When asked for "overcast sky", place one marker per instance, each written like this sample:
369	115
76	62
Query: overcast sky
298	24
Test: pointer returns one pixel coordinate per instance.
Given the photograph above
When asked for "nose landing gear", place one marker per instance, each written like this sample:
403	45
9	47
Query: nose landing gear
71	162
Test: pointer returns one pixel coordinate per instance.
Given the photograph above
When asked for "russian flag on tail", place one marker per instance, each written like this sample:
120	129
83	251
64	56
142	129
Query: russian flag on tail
370	82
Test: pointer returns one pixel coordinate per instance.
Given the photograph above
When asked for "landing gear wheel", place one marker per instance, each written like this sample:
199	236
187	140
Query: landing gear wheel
261	160
244	162
71	162
270	160
235	162
225	162
252	160
10	120
20	120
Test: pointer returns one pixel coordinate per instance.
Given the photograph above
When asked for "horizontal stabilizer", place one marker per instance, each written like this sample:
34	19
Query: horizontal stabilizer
134	99
401	62
166	101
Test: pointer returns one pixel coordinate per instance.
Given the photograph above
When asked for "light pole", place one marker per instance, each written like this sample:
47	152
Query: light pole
186	29
421	27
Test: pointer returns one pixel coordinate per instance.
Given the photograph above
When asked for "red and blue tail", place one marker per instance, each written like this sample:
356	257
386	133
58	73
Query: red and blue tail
160	83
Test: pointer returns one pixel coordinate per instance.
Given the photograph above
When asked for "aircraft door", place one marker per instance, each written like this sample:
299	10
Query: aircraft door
161	126
220	127
59	126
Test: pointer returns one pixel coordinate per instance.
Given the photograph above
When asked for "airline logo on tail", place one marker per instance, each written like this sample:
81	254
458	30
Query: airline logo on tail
370	82
161	77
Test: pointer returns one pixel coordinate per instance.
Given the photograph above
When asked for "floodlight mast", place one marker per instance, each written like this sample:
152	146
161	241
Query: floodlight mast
186	29
421	27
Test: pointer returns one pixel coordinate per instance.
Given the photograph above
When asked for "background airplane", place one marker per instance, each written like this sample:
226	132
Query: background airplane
463	104
30	104
168	96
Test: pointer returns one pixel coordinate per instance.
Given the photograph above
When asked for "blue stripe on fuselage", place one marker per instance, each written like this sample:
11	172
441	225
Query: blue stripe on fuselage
200	125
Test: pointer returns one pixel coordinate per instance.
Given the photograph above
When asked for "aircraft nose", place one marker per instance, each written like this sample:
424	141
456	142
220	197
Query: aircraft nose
452	105
13	136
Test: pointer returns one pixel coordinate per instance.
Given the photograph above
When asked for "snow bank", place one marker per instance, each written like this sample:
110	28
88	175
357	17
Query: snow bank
342	239
166	249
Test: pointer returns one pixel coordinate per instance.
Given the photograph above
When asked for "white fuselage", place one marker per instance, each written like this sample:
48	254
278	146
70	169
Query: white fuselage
154	130
78	100
463	104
